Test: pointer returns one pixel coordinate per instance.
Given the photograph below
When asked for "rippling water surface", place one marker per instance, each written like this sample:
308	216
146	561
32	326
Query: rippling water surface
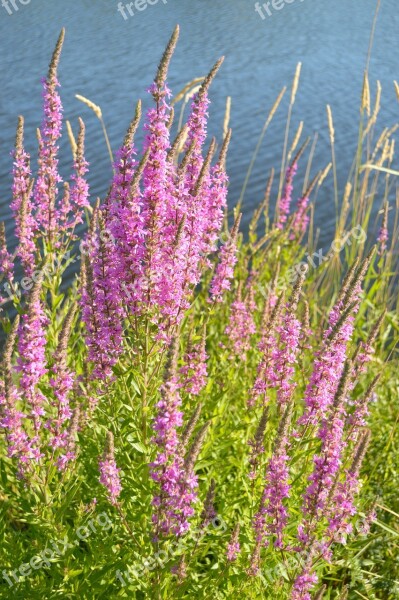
112	61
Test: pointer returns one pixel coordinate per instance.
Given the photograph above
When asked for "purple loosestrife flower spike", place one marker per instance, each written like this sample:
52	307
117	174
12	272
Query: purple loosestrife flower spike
209	512
365	350
180	570
357	419
254	565
193	247
383	235
197	127
32	360
62	382
6	382
193	209
65	208
194	373
271	297
69	453
286	354
196	136
283	208
167	469
121	190
157	204
301	218
360	453
330	360
48	177
328	461
216	204
233	547
109	472
241	324
163	67
266	375
257	444
19	445
355	290
370	517
92	318
336	311
272	515
225	269
6	261
342	506
285	202
21	205
101	301
163	210
177	144
306	329
188	480
79	192
124	220
303	584
206	202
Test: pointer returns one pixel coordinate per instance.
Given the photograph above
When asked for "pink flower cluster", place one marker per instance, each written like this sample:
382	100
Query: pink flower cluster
241	326
272	516
164	219
40	215
194	372
32	359
173	503
329	362
6	260
224	273
303	584
383	234
22	206
102	310
266	375
280	346
109	472
233	549
76	199
285	202
301	218
20	446
48	177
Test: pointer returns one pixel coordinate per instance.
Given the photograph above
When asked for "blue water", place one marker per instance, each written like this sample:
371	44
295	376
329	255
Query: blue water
112	60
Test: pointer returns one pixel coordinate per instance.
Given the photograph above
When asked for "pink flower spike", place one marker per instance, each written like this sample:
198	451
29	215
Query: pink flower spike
383	235
21	205
285	202
225	269
109	472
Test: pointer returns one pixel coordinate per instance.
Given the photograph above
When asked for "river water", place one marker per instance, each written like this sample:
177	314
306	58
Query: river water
111	56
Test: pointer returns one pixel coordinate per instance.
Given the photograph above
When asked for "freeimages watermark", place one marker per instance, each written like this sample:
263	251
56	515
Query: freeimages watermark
315	260
132	8
27	283
267	9
162	557
56	548
12	6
